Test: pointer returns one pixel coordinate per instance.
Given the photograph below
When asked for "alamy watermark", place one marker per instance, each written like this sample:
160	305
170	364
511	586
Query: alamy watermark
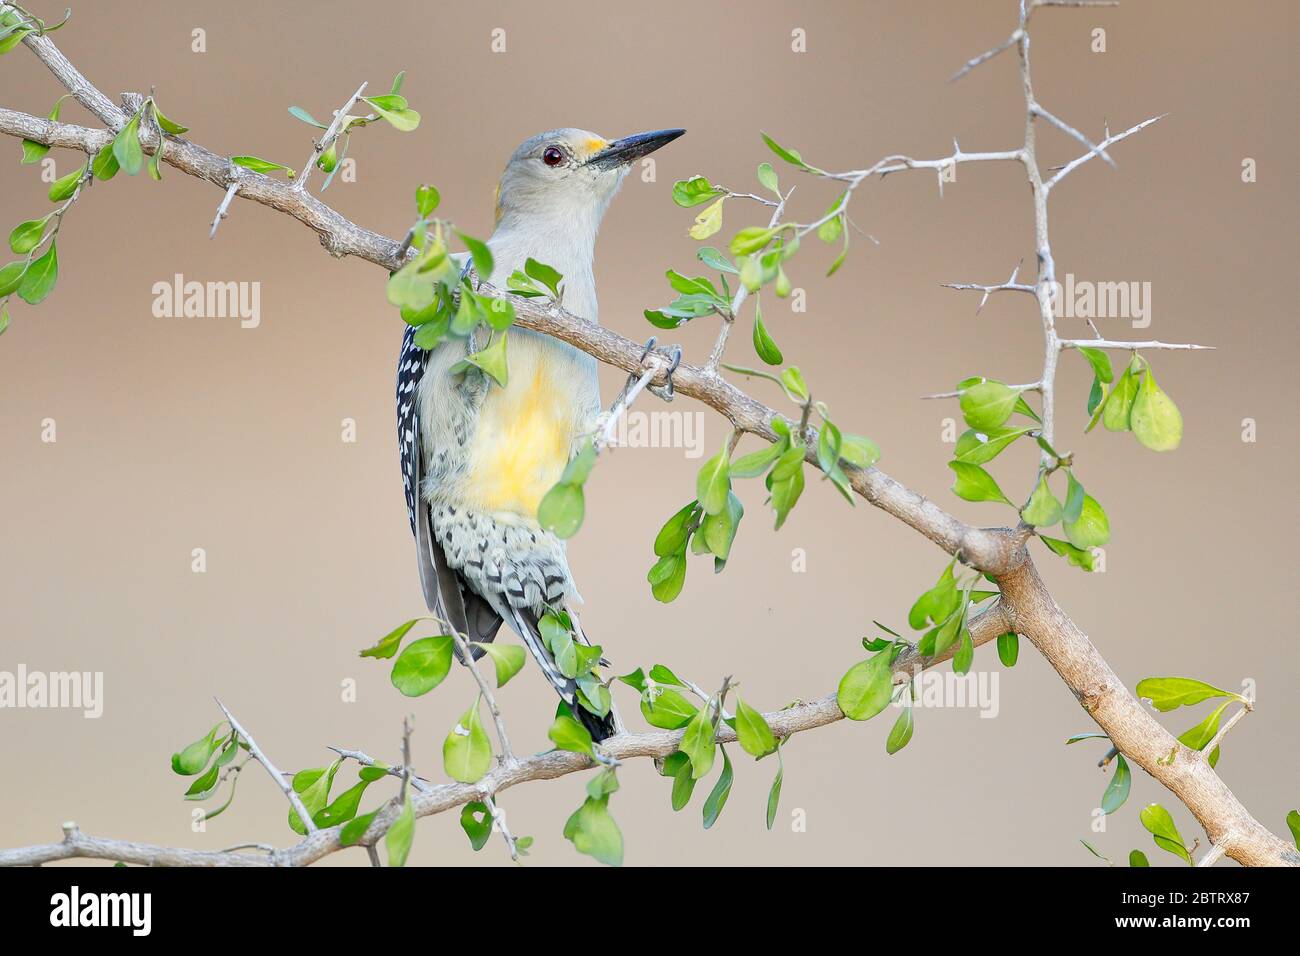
661	429
208	300
1083	299
66	690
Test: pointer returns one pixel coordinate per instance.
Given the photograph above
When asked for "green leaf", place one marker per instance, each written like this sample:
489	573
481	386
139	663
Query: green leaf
767	178
1042	510
764	345
866	689
717	798
299	113
678	766
426	201
104	164
33	152
126	147
750	240
313	787
752	731
422	665
166	125
545	275
975	484
402	118
1169	693
567	734
1117	790
673	535
1100	363
476	821
193	758
594	833
698	742
987	404
480	253
901	732
936	604
1293	822
774	794
667	709
1160	825
1155	419
965	655
1117	407
719	531
713	483
26	236
467	752
41	275
786	482
1092	530
715	260
388	644
63	187
1076	556
1138	858
757	462
259	165
667	576
4	317
400	835
492	359
561	509
354	829
1009	648
859	451
708	223
977	448
693	191
794	383
508	659
1199	737
789	155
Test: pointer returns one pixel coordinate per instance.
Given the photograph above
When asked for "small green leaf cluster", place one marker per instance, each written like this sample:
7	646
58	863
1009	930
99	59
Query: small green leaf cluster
576	660
1133	403
439	299
664	705
391	107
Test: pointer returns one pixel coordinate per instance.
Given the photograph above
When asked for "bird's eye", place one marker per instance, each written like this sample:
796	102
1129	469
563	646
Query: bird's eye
552	156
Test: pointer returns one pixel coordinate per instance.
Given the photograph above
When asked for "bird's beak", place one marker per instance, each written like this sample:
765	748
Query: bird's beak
623	151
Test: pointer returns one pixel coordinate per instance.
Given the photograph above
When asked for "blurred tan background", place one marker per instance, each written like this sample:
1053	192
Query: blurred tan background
175	434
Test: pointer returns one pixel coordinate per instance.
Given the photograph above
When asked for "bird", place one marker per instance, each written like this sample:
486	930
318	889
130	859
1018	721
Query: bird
478	457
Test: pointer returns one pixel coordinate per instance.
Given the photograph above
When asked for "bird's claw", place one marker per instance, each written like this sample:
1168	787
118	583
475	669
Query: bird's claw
673	353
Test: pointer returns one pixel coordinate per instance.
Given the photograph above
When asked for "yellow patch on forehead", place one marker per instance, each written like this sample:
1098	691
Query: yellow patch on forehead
593	146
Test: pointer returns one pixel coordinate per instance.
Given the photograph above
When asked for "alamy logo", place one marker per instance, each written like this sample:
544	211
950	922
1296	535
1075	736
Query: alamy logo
975	689
208	300
638	429
1102	300
103	909
70	690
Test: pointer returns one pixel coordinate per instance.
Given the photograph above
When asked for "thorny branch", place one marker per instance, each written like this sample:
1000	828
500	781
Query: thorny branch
1025	605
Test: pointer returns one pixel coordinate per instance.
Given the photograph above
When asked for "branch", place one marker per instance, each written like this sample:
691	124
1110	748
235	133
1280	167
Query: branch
438	798
256	752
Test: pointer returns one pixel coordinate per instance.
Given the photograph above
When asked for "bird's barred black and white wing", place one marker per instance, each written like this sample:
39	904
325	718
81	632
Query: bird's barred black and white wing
411	362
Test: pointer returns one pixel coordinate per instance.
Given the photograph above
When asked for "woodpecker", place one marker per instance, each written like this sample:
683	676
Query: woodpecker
477	458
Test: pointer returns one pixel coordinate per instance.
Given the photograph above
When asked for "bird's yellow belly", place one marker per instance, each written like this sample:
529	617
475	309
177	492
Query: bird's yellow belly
521	442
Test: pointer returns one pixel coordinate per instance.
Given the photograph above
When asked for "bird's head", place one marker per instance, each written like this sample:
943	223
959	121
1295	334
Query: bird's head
570	175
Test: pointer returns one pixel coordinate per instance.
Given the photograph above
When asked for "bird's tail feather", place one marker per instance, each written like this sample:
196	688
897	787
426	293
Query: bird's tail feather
525	624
